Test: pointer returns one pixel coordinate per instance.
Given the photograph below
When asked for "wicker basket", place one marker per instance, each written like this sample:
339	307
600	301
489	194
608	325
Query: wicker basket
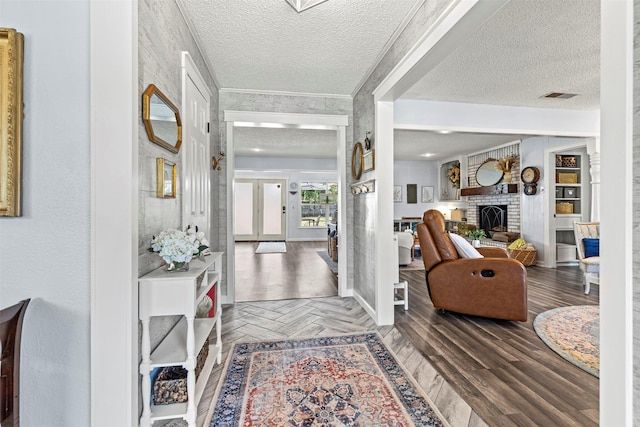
526	256
564	208
569	162
567	178
170	386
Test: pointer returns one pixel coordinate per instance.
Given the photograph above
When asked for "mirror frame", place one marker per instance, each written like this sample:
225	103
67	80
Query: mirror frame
499	173
356	161
146	118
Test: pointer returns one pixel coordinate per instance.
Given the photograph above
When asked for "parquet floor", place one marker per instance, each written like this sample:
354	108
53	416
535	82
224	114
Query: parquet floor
477	371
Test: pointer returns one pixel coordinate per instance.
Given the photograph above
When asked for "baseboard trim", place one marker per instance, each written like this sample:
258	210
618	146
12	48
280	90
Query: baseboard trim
306	239
364	304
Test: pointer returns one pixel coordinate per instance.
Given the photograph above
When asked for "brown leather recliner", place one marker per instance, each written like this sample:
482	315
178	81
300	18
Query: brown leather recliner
494	286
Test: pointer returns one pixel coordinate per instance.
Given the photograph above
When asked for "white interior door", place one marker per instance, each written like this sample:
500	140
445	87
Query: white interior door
196	174
259	209
245	208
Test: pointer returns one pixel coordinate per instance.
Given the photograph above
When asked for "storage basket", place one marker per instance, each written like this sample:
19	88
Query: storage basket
526	256
569	162
564	208
170	386
558	161
333	249
567	178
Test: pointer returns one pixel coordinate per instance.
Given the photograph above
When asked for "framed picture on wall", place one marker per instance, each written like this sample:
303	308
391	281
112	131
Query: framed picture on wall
397	193
427	195
166	179
412	193
368	161
11	105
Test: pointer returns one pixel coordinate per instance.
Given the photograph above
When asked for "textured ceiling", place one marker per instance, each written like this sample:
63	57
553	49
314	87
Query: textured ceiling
526	50
412	144
267	45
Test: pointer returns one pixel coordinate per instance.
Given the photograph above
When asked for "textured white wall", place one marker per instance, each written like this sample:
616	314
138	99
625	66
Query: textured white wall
45	254
419	173
636	210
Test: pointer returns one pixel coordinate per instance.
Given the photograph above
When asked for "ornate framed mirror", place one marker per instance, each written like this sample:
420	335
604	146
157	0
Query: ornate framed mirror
488	174
161	119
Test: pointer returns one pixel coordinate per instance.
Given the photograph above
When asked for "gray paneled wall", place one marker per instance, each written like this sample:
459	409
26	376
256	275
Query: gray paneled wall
364	120
159	62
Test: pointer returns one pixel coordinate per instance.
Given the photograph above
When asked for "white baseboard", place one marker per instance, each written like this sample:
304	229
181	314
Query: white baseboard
364	304
306	239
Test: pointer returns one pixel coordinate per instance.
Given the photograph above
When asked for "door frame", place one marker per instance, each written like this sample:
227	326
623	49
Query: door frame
300	121
549	197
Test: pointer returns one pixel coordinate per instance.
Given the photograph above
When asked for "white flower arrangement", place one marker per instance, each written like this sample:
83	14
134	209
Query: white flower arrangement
180	247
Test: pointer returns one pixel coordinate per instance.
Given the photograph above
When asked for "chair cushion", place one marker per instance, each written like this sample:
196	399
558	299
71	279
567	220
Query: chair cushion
463	247
590	265
591	247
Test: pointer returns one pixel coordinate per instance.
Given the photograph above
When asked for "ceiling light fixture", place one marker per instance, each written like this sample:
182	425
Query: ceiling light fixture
428	154
444	132
302	5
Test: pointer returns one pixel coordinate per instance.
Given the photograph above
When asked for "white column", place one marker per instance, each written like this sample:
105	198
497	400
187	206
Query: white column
593	149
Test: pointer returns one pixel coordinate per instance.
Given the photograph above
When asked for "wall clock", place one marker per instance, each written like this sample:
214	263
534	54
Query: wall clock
356	161
530	176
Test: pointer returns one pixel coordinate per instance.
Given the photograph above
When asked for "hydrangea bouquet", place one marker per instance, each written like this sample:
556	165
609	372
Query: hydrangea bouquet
177	248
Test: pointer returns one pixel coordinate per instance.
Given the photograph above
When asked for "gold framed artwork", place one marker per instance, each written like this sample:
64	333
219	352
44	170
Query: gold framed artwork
368	161
11	58
166	181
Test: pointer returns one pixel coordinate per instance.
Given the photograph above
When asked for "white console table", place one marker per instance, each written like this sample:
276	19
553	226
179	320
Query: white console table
163	293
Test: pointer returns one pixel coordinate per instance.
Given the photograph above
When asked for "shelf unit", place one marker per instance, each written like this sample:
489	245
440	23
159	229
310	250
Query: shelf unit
568	204
163	293
404	223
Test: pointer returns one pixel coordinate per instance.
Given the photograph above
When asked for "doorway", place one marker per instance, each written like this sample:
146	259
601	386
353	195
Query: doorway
260	210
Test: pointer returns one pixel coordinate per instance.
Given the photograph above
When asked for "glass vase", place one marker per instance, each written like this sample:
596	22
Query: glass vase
178	266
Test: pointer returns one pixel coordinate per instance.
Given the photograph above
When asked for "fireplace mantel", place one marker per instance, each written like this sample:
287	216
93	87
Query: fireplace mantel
490	190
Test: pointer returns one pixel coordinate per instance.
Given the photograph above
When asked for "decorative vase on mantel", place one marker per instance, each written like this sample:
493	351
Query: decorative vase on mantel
178	266
507	177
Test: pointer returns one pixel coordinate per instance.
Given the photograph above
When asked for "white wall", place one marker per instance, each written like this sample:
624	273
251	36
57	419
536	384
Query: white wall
45	254
421	173
532	207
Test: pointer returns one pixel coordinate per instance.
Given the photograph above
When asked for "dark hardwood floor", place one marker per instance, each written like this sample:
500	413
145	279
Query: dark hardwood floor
502	369
298	273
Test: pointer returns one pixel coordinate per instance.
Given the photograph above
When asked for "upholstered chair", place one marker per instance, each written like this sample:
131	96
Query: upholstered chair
490	286
405	244
589	253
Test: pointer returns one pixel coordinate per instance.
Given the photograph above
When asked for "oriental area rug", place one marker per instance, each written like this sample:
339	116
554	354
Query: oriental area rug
574	333
351	380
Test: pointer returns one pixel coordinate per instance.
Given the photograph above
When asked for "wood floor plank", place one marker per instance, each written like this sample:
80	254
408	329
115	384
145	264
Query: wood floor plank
503	369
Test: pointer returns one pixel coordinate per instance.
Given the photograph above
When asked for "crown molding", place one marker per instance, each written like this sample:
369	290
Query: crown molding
285	93
192	30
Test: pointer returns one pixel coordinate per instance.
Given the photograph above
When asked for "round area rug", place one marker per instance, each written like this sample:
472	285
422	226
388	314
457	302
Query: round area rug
574	333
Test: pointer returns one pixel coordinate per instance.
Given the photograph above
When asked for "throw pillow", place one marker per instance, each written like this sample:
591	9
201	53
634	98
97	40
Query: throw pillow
591	247
463	247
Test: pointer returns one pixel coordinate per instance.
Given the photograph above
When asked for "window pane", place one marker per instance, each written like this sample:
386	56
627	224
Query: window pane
318	203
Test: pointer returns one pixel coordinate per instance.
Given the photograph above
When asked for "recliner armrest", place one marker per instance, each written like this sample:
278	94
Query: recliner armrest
493	252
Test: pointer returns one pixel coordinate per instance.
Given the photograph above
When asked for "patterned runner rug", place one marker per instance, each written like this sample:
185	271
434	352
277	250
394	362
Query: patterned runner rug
271	248
574	333
350	380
